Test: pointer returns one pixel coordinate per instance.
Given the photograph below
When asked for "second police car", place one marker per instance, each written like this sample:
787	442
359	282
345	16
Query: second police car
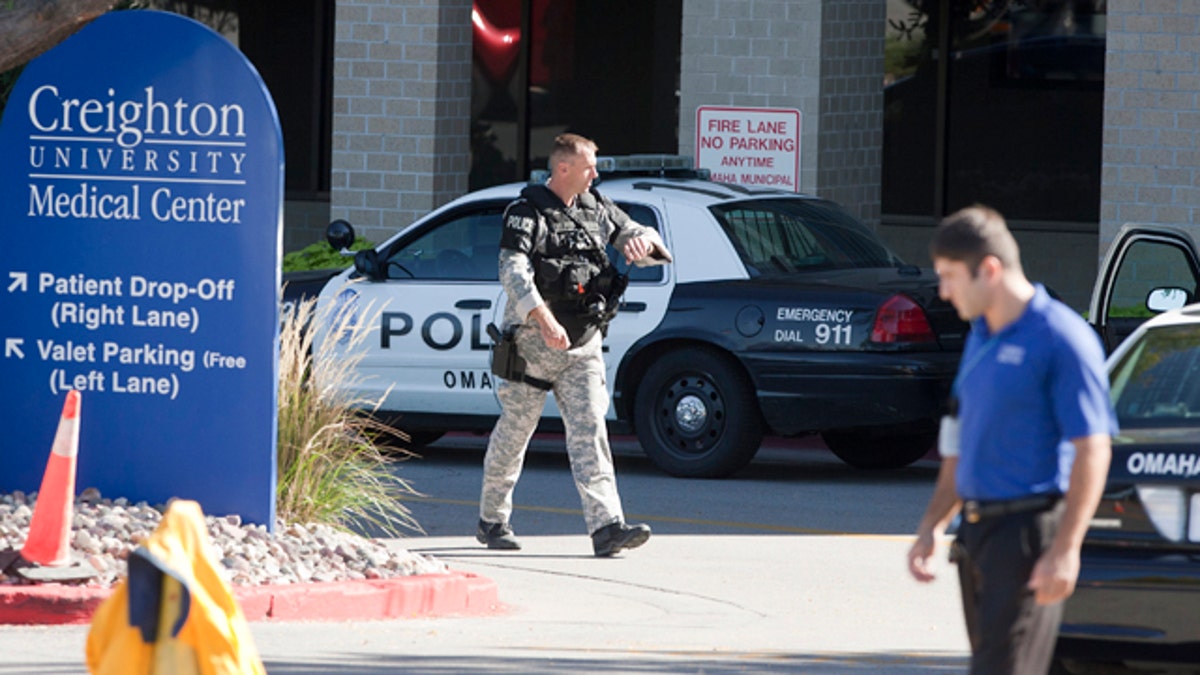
781	315
1133	607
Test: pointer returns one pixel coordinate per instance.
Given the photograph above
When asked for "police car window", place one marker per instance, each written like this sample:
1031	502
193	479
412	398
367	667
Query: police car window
1157	384
780	236
464	248
1148	265
644	215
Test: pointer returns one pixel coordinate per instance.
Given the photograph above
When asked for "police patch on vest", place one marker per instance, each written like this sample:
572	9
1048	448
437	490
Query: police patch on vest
519	223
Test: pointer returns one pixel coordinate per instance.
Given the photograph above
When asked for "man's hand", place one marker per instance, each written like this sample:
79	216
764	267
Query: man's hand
1057	570
1054	575
637	248
919	556
553	334
942	506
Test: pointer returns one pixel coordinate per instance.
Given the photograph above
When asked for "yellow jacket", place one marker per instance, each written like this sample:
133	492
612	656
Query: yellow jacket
174	613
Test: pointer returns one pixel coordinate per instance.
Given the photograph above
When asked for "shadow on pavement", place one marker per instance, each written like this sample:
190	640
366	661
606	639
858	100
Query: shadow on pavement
793	487
622	664
779	460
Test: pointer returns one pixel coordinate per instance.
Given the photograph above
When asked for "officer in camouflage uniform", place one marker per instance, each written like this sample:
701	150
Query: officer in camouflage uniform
560	298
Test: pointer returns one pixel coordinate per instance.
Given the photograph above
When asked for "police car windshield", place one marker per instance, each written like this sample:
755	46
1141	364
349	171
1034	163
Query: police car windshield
1157	383
784	236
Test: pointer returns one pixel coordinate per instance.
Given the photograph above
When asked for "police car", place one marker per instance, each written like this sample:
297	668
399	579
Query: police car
1141	557
1140	563
781	315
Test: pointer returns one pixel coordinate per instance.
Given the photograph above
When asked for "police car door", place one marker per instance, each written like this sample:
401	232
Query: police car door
432	311
645	301
1147	269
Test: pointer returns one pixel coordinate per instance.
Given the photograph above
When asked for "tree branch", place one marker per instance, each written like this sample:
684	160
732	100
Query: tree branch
30	27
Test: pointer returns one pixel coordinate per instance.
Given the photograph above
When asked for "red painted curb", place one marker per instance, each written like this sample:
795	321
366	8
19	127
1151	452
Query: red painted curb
49	604
422	595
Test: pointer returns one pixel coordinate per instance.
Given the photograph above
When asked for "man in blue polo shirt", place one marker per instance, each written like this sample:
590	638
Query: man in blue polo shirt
1025	450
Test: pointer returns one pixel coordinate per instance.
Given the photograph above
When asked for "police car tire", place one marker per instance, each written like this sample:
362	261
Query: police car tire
724	429
881	447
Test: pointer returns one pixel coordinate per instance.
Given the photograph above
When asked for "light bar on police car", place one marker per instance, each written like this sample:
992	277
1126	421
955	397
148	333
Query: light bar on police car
643	163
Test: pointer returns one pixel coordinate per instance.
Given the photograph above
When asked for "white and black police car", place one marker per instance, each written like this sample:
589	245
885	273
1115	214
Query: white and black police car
1134	606
781	315
1140	569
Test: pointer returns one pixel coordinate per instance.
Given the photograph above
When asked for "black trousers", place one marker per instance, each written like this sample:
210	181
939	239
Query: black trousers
1009	631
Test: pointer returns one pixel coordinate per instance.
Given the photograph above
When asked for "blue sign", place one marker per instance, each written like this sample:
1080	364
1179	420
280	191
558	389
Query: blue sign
141	204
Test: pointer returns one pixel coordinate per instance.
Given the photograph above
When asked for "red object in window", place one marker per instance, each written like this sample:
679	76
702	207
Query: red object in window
496	37
900	319
496	47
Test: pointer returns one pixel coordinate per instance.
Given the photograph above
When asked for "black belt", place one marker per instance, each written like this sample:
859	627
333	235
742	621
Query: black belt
974	510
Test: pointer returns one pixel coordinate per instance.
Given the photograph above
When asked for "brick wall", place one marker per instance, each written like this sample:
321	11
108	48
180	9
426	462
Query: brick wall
305	223
755	53
850	158
822	57
402	95
402	83
1151	116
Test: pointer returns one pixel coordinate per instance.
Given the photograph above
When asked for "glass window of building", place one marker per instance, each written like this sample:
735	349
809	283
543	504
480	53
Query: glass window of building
1012	118
607	69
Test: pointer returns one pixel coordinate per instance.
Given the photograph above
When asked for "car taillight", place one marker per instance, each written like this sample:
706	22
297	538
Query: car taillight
900	319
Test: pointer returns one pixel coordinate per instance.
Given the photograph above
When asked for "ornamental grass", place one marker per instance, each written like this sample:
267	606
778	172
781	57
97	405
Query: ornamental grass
333	466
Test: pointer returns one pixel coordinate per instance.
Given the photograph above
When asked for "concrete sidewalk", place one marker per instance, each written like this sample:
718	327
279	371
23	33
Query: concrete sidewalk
681	604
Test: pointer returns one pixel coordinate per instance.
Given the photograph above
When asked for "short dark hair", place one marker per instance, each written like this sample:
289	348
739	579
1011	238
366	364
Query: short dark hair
569	145
969	235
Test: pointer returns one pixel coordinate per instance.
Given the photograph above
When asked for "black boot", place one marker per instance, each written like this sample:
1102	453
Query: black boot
497	536
612	538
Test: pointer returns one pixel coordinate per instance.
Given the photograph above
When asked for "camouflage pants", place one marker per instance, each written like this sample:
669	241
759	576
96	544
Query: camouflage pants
579	389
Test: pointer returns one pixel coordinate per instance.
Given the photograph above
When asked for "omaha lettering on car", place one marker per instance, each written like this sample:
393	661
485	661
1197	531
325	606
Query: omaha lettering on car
1177	464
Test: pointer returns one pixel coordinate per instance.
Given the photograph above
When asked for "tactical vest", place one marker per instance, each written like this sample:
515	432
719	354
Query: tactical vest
572	270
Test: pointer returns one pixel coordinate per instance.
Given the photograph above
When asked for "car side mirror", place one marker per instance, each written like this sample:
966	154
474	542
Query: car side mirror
340	235
1164	299
366	263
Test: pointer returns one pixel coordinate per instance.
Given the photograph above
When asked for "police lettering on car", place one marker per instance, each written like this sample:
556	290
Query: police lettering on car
398	324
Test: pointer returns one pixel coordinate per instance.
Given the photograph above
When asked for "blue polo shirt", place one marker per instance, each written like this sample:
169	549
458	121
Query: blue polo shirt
1024	393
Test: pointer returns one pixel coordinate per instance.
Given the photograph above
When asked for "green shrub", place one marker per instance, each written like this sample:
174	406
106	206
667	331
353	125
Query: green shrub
331	468
321	255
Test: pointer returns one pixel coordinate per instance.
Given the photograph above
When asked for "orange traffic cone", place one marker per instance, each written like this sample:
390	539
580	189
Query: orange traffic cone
50	529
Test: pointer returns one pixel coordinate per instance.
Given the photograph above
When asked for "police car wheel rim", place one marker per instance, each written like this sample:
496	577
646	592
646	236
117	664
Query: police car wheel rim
690	413
693	413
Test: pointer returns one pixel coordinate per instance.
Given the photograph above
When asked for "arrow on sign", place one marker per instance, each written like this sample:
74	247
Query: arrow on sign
20	281
13	346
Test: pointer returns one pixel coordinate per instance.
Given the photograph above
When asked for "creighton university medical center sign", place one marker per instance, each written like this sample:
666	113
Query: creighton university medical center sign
135	127
141	193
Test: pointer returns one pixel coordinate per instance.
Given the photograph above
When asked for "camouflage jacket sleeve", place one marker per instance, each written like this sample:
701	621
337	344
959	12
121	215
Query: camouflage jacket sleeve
518	239
620	228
